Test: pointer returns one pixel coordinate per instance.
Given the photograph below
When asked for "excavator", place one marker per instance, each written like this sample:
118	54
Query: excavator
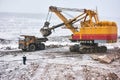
90	32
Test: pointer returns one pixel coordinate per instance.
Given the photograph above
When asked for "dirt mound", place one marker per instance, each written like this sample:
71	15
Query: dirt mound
112	76
106	58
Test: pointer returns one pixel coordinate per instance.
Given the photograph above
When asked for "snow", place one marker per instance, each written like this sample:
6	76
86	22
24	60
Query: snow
59	43
63	66
54	63
8	45
14	44
112	45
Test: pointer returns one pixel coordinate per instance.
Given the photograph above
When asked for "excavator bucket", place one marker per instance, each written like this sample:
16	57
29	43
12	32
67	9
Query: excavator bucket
46	31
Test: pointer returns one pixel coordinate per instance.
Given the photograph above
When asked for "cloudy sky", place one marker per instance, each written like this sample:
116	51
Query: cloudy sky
108	9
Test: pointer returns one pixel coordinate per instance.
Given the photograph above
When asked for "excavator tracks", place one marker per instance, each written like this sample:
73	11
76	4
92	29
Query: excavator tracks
88	49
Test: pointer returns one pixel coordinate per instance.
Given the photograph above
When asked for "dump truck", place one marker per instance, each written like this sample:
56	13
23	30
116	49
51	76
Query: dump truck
90	32
31	43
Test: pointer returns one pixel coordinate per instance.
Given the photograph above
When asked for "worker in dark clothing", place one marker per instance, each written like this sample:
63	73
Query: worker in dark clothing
24	60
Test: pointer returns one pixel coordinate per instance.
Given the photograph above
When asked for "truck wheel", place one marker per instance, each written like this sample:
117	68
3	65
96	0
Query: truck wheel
42	46
24	50
32	47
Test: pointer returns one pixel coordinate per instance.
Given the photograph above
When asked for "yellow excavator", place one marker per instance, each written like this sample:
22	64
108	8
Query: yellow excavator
90	32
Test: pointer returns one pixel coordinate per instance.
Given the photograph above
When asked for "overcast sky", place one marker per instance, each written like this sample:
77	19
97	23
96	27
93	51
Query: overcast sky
108	8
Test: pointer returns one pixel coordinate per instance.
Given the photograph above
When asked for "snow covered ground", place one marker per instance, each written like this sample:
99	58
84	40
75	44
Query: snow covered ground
54	63
58	40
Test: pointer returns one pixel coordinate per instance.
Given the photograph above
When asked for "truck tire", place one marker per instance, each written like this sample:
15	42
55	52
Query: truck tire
42	46
24	49
32	47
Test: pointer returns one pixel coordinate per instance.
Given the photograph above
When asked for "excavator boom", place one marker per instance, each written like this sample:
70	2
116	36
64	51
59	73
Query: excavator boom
46	31
52	8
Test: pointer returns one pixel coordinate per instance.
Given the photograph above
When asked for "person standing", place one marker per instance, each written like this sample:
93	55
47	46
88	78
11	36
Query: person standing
24	60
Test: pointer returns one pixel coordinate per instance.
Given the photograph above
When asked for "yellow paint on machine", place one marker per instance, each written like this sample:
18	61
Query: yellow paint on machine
98	30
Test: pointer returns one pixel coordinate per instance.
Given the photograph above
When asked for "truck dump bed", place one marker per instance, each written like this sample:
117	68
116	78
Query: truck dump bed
42	39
